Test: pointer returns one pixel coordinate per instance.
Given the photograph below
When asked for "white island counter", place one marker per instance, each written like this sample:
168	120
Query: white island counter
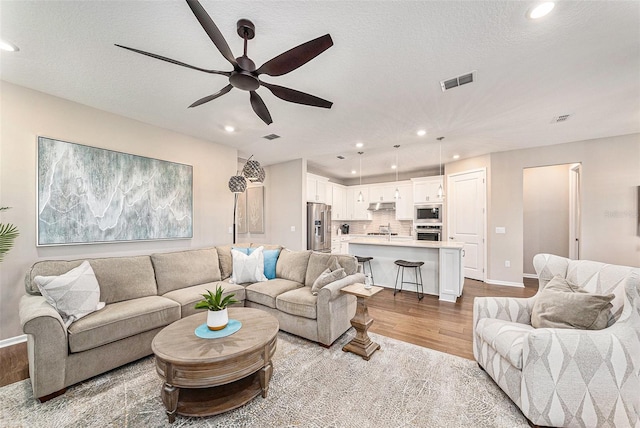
442	272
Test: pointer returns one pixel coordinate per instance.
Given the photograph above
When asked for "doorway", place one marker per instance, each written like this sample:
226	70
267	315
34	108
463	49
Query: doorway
551	212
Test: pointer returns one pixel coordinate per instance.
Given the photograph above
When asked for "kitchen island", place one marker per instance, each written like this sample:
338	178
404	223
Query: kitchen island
442	272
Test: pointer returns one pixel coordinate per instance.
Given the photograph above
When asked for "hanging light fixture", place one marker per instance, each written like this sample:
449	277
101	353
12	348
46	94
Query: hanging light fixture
396	194
360	195
237	183
251	170
440	189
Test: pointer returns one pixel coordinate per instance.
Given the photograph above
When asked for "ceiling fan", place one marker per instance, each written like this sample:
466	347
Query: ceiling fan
245	75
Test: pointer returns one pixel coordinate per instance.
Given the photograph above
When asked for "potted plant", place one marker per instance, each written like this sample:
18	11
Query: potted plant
217	317
8	233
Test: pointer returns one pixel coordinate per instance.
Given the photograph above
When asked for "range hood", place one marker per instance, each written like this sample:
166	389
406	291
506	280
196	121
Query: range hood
382	206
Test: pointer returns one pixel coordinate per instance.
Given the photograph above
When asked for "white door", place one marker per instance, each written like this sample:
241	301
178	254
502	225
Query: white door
466	219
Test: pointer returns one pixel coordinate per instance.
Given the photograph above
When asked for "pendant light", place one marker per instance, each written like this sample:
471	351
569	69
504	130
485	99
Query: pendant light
253	171
440	189
396	194
360	195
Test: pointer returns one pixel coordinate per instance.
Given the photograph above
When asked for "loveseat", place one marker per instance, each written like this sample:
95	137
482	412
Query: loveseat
143	294
566	376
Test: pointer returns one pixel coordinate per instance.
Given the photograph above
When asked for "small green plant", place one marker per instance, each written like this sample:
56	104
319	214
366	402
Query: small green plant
215	302
8	233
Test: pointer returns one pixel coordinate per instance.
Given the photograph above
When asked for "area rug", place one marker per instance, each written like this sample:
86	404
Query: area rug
402	385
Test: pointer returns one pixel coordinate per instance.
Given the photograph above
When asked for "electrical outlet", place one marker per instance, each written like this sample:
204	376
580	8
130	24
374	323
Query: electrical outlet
501	230
507	263
293	228
230	229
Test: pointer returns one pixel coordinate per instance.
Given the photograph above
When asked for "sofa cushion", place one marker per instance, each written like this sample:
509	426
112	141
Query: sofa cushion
185	268
120	278
327	277
224	258
299	302
506	337
74	294
265	293
564	305
292	265
187	297
318	262
120	320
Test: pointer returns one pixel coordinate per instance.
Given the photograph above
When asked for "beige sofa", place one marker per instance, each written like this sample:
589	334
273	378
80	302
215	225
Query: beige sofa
143	294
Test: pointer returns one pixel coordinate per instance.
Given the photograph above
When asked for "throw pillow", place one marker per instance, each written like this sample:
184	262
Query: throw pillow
247	268
270	260
327	277
73	294
564	305
334	264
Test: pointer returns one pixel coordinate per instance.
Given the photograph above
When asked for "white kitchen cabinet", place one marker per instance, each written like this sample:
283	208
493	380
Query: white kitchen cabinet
358	210
316	188
339	205
425	189
382	192
404	205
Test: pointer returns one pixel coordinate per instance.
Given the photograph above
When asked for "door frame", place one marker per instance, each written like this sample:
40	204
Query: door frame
575	210
485	238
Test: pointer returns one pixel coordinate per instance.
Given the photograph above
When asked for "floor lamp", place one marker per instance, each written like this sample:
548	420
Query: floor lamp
237	185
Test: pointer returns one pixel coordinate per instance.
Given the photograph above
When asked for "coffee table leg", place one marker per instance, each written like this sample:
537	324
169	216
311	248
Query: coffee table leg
265	377
170	399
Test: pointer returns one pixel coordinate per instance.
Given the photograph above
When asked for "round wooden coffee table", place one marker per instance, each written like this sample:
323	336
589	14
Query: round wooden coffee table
204	377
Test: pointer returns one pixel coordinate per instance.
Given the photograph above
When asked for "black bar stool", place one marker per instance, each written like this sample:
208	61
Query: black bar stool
364	260
416	265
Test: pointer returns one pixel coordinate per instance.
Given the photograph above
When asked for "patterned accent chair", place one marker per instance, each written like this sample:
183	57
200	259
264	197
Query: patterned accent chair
566	377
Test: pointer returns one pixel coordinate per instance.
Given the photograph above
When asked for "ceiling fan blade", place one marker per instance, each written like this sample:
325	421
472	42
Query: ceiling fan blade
297	97
260	108
212	97
296	57
212	30
173	61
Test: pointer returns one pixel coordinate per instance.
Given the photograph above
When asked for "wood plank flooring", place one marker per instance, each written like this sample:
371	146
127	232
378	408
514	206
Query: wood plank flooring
443	326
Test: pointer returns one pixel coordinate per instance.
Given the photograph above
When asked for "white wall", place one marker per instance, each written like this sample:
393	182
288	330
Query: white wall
25	114
546	212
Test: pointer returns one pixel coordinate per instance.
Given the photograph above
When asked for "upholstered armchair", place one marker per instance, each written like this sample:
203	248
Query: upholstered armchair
566	377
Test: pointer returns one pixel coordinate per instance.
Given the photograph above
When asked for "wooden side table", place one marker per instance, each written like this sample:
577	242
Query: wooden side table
361	344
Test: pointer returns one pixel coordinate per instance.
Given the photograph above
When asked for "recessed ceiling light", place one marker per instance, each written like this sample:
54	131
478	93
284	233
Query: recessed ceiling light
541	10
9	47
229	128
421	133
358	145
353	171
456	156
394	166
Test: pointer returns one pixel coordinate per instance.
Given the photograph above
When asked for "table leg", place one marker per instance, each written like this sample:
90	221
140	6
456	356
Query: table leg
170	399
361	344
265	377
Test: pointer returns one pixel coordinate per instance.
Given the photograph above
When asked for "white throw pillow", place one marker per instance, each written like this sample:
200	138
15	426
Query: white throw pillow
247	268
73	294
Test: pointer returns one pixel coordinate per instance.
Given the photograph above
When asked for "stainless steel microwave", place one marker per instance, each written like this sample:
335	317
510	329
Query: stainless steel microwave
427	213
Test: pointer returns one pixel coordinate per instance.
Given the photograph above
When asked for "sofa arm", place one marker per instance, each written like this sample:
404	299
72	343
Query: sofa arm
513	309
47	343
332	290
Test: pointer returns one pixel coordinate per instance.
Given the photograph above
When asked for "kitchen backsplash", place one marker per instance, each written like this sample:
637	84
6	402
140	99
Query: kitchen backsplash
380	218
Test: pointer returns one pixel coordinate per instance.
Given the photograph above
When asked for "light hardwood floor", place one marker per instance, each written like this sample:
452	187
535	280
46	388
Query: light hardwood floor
443	326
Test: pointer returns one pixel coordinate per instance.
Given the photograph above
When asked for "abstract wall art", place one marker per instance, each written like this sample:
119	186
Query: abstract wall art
241	213
91	195
255	209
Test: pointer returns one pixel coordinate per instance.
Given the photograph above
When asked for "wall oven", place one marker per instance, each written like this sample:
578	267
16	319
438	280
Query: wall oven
428	233
427	214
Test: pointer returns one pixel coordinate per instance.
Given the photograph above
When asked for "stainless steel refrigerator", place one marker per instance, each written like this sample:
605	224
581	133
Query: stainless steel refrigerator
319	227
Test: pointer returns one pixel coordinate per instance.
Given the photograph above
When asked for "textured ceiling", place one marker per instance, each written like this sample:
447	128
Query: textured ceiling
382	73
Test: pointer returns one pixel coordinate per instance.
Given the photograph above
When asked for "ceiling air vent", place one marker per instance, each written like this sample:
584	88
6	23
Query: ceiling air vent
457	81
561	118
340	157
271	137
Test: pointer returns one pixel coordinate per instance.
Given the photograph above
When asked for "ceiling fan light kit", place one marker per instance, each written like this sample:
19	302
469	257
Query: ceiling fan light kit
245	76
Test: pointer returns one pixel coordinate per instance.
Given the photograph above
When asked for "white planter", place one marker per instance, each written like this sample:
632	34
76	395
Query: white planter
217	320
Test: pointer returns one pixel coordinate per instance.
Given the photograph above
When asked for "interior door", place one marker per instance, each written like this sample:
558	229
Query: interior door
466	204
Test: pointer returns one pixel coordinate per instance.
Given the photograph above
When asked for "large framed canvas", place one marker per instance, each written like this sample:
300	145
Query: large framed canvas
255	209
89	195
241	213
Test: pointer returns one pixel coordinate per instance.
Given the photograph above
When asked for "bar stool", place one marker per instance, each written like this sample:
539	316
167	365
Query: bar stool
364	260
405	264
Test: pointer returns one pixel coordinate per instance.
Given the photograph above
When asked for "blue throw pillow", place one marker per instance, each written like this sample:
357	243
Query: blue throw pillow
270	261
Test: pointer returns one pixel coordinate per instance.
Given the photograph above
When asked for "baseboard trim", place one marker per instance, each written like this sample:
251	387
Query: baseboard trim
505	283
530	275
13	341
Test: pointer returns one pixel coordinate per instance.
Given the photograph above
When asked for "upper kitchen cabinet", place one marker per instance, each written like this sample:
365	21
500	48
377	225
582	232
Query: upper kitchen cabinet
382	192
358	210
425	189
404	205
317	188
339	202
